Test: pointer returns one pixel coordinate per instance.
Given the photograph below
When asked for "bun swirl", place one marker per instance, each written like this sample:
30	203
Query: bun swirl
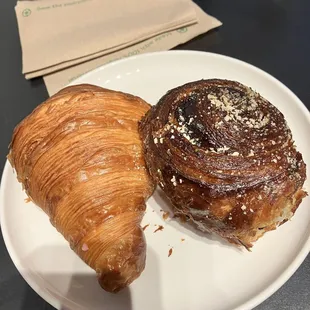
225	158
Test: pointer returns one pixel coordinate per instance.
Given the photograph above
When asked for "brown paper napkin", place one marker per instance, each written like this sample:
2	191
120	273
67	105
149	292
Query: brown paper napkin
55	81
56	34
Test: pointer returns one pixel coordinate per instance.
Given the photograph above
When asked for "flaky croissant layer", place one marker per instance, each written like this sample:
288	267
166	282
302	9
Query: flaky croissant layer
79	158
225	157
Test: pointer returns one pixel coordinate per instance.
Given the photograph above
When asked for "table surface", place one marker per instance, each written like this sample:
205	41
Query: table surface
270	34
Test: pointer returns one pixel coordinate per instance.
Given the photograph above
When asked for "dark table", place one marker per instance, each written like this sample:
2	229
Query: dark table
270	34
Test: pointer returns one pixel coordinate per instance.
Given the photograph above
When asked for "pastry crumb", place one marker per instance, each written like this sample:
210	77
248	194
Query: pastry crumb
166	215
145	227
170	252
160	227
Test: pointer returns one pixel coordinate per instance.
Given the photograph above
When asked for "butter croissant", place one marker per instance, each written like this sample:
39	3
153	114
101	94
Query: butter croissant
225	157
79	158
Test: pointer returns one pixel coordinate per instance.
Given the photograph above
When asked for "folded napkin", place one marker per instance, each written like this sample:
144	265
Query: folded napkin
63	39
57	80
56	34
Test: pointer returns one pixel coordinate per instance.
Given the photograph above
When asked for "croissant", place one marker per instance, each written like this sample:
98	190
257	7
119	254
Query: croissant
225	158
79	158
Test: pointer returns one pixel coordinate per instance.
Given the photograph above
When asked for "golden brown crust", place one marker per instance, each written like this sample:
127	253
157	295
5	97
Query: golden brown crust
79	158
225	157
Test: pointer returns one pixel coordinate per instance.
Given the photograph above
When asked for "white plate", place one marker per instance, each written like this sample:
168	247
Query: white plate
202	272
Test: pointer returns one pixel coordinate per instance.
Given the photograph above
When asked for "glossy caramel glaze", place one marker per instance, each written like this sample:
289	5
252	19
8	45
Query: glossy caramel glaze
225	157
79	158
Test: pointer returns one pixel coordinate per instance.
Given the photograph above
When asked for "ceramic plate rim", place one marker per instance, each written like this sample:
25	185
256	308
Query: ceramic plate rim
252	302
